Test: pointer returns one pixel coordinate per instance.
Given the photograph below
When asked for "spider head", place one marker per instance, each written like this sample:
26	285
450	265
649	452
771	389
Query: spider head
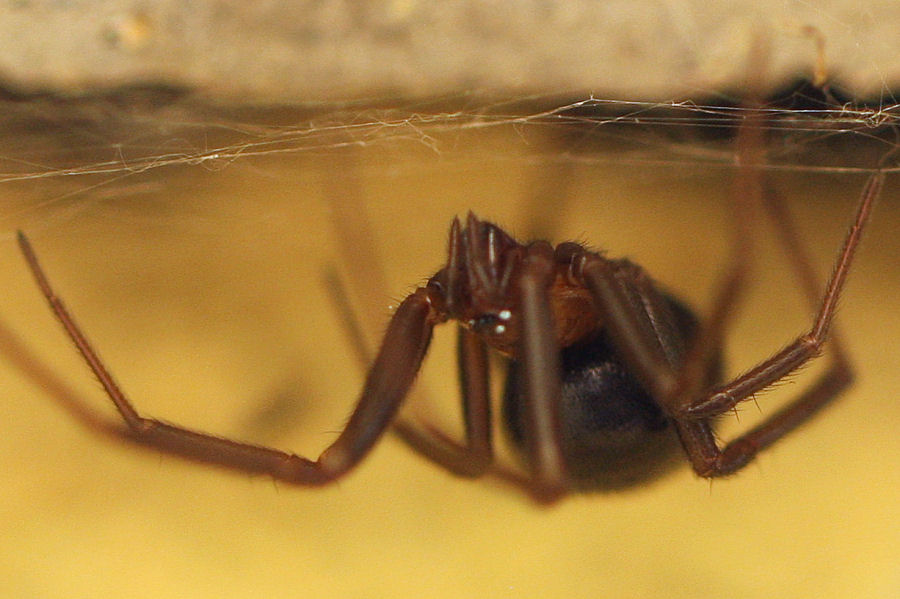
476	286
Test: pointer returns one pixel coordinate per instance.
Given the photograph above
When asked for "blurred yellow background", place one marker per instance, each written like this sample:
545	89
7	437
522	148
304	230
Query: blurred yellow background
201	286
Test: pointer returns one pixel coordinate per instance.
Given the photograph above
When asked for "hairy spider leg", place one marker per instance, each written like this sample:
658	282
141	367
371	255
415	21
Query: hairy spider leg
389	379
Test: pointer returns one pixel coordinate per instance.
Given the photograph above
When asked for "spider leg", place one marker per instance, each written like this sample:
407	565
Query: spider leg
539	355
622	319
388	382
640	348
693	425
745	193
840	372
470	459
473	457
609	282
799	258
804	347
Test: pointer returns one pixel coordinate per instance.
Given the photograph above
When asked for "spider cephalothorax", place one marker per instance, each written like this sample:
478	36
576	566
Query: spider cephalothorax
477	286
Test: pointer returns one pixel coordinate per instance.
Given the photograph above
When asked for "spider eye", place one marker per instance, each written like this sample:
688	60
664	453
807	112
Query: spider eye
491	323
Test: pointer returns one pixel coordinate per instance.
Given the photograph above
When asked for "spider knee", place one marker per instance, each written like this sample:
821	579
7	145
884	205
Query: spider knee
735	456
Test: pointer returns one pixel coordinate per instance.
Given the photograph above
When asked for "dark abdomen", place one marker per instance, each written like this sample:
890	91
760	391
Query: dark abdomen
613	432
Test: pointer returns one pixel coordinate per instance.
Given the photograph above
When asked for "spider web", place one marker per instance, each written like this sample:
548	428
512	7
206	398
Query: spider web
94	148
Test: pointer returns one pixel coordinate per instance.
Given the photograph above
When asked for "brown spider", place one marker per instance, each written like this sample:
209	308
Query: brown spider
608	373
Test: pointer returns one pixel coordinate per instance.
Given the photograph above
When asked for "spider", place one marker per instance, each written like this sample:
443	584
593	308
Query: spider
608	373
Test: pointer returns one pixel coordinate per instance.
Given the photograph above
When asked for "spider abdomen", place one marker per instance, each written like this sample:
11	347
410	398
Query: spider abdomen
614	434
